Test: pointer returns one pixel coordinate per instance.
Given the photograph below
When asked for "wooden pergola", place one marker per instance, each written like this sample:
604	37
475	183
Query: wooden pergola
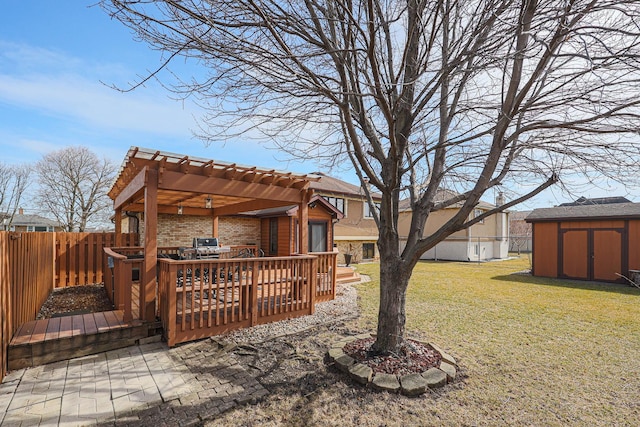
156	182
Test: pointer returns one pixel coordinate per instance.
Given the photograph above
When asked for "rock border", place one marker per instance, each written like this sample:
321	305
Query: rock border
409	385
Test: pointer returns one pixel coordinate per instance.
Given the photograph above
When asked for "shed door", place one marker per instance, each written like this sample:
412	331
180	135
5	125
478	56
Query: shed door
607	255
575	254
592	254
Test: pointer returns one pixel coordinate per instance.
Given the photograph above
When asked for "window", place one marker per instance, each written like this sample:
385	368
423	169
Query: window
368	251
39	228
477	213
337	202
367	211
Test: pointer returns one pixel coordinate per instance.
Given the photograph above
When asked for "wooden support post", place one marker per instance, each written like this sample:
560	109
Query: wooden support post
253	292
169	323
118	237
215	226
148	279
303	220
313	284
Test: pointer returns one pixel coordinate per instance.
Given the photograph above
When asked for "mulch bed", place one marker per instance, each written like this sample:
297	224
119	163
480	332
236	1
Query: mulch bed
413	357
75	300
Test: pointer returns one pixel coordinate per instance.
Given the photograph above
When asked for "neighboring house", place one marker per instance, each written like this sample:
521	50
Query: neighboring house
489	239
520	233
356	233
583	201
586	241
26	222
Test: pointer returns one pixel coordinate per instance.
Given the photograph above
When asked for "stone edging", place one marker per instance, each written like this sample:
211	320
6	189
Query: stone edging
410	385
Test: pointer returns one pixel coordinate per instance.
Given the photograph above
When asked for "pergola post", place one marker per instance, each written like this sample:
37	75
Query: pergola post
118	225
214	226
303	220
148	282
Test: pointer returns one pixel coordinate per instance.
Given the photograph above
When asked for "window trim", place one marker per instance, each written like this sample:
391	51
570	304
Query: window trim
366	212
476	213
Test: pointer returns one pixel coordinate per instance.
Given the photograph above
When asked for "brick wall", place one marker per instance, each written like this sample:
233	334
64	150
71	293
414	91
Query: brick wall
239	231
179	230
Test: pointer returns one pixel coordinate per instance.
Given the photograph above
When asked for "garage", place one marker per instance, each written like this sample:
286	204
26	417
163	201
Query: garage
599	242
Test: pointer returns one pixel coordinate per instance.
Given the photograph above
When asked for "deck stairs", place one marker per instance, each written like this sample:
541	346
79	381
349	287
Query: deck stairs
347	275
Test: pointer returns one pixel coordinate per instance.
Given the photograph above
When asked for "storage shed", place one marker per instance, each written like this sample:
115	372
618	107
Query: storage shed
597	242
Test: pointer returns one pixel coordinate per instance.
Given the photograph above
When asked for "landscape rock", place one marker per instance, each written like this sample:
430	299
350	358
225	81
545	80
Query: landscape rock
435	378
386	382
413	384
448	369
335	353
344	362
361	373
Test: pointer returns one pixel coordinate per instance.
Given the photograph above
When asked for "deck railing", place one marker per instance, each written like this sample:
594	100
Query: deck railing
326	285
205	297
121	282
202	298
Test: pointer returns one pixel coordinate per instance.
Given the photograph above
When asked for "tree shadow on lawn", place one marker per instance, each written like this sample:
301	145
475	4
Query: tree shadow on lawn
619	288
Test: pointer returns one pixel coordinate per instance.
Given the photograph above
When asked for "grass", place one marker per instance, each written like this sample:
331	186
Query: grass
532	351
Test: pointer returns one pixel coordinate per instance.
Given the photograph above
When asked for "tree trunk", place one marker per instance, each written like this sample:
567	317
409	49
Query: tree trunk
394	280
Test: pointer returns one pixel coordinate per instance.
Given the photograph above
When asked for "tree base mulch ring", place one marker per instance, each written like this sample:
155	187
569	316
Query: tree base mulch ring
416	368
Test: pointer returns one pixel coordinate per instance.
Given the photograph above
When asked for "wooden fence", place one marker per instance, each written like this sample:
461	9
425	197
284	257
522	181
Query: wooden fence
80	256
33	264
27	277
6	326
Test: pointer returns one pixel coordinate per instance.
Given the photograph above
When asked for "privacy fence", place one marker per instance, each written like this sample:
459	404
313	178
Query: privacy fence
32	264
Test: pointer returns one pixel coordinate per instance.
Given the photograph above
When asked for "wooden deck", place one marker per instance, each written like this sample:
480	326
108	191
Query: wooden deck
50	340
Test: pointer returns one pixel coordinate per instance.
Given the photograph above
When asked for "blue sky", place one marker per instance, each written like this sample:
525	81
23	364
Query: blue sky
54	56
55	61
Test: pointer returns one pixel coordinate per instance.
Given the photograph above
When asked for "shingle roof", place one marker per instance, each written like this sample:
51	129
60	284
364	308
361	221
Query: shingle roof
597	201
441	196
615	210
35	220
334	185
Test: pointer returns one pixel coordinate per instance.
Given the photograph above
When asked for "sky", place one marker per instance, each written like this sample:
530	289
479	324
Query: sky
57	61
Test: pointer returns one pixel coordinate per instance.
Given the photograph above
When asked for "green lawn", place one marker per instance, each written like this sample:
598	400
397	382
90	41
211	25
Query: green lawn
532	350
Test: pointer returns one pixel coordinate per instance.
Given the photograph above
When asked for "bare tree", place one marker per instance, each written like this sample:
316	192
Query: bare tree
472	95
14	181
520	231
73	185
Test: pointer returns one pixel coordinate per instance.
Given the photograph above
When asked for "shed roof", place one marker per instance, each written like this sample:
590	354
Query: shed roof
592	212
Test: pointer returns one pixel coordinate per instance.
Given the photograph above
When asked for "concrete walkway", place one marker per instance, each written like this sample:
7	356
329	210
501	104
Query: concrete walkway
148	384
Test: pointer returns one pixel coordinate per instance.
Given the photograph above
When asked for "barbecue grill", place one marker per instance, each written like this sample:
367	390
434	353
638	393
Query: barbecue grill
203	247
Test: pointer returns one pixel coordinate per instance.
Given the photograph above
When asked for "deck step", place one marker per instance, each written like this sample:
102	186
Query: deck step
41	342
347	275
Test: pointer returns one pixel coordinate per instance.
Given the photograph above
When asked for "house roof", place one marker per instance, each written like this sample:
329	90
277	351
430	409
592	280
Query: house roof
328	184
442	195
293	209
33	220
601	211
597	201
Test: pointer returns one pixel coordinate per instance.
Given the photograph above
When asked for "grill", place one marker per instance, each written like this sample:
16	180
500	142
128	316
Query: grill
203	247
